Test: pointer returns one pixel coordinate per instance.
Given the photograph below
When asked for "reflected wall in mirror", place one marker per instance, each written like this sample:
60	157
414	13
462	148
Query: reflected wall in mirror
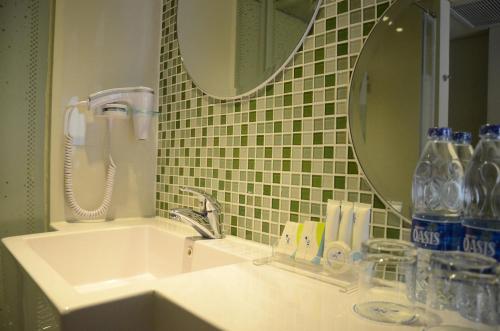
412	75
231	48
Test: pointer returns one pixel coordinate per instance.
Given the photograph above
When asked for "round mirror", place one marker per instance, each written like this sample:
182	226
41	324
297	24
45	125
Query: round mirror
416	71
231	48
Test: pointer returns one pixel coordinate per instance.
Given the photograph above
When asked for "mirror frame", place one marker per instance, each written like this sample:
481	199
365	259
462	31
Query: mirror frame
388	206
267	80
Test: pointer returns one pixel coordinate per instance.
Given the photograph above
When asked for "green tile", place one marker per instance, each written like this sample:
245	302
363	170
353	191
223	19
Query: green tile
265	227
317	138
307	111
327	194
306	166
381	8
305	193
269	115
328	152
378	232
331	23
267	189
377	203
316	181
341	123
241	210
257	213
260	140
275	203
294	206
330	80
286	152
297	72
352	168
248	235
339	182
269	89
297	138
307	97
253	104
342	34
252	116
319	68
392	233
297	126
285	165
367	27
319	54
342	49
287	88
287	100
329	109
278	127
258	177
268	152
342	7
276	178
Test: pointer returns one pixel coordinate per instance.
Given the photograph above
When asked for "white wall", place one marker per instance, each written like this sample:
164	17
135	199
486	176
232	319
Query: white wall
101	44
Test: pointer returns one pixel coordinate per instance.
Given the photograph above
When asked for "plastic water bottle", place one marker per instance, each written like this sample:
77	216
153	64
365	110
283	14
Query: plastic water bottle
437	196
482	196
462	142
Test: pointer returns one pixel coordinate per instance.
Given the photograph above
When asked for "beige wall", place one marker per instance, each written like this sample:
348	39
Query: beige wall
100	45
468	83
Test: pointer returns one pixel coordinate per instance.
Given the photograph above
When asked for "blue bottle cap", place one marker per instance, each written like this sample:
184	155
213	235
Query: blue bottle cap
462	137
490	130
439	133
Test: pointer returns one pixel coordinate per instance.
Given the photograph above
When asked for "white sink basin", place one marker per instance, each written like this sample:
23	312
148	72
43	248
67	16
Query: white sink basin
97	260
93	275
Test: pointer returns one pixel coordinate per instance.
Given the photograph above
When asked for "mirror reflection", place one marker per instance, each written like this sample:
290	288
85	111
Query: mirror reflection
425	64
232	47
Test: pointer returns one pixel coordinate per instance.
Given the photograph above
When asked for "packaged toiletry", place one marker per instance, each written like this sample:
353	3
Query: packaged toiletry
337	256
361	227
346	222
311	242
289	240
332	220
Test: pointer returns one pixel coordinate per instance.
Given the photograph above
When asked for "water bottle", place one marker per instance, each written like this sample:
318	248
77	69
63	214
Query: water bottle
463	147
437	196
482	196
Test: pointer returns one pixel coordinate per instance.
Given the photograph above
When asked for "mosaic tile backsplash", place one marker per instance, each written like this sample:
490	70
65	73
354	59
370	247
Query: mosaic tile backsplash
277	155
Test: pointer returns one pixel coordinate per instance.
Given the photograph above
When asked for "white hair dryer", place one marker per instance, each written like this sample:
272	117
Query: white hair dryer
122	103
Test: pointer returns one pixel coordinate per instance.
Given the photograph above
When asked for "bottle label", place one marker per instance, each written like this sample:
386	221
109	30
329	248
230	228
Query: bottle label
482	241
437	235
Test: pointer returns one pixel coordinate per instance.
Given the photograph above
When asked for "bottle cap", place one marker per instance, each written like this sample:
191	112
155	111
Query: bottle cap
439	133
462	137
490	130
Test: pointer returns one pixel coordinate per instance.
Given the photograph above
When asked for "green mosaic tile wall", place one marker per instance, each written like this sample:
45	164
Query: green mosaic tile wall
281	153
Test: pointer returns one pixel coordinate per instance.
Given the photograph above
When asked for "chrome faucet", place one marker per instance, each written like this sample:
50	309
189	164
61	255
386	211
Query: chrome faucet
206	222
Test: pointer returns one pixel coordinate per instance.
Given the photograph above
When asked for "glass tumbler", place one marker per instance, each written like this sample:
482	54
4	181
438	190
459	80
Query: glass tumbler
387	281
462	292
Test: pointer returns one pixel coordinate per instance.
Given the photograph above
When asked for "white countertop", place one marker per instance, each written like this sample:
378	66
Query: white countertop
245	296
248	297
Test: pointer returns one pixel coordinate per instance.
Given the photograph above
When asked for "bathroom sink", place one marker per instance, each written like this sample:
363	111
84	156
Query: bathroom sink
93	276
97	260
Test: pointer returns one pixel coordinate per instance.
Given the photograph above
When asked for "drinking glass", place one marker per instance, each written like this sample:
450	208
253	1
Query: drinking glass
387	281
462	292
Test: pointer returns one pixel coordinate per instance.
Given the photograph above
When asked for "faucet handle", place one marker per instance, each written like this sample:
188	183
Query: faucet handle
209	202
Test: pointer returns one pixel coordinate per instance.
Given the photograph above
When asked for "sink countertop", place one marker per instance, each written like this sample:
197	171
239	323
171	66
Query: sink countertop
248	297
243	296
